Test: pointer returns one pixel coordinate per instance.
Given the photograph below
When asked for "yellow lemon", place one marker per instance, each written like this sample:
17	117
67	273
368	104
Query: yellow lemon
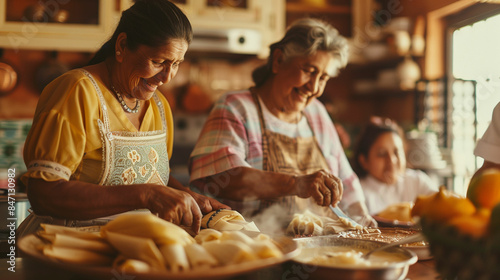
484	190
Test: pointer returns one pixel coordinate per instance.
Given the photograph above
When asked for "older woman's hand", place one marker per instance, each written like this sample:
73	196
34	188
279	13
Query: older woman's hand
175	206
322	186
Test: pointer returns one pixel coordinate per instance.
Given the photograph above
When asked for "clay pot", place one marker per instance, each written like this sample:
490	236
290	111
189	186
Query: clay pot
196	100
8	78
49	70
408	73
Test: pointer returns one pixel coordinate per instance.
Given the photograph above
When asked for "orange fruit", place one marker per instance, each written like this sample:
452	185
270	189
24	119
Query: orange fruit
421	203
475	225
484	190
443	206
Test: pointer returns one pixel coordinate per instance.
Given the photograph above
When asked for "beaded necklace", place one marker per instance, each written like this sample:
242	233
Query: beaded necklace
124	105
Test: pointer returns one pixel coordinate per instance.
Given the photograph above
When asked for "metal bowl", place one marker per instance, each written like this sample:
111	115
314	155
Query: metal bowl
392	271
394	234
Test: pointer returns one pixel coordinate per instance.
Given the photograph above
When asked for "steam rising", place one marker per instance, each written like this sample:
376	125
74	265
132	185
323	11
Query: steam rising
273	220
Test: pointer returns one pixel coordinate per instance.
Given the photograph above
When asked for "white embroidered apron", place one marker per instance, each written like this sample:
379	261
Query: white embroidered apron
132	157
127	158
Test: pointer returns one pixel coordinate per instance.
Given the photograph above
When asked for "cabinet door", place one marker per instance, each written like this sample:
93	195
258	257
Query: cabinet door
76	25
186	6
241	13
265	17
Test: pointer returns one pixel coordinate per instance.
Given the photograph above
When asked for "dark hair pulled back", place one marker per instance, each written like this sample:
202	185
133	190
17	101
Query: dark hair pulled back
147	22
371	132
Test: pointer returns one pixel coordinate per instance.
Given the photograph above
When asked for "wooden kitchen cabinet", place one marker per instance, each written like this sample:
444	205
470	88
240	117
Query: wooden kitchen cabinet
380	78
215	12
265	17
230	14
76	25
339	13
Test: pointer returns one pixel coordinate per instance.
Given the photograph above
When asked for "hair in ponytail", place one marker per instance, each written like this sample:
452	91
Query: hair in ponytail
147	22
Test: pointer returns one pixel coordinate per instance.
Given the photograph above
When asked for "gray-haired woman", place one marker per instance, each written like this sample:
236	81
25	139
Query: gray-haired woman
275	142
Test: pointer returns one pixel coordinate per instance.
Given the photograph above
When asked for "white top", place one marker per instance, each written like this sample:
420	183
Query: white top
380	195
293	130
488	147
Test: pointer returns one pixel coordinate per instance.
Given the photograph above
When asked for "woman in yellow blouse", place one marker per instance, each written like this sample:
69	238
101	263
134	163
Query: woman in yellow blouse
102	135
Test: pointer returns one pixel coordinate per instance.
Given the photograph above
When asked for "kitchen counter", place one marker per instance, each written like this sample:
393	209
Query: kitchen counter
422	270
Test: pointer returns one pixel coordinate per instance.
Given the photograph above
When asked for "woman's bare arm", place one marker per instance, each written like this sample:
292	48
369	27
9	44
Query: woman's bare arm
242	183
82	201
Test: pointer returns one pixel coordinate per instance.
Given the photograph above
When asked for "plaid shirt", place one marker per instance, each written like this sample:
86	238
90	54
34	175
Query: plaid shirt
231	137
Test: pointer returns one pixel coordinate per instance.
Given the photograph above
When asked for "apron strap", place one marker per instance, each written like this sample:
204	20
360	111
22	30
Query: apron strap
159	103
265	145
270	164
105	126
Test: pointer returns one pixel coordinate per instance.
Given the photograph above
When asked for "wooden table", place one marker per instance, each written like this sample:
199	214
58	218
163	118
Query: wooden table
422	270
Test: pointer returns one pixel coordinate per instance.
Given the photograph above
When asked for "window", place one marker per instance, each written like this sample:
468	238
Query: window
475	55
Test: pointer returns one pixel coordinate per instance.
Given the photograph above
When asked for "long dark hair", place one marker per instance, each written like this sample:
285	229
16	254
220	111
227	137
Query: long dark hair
367	138
147	22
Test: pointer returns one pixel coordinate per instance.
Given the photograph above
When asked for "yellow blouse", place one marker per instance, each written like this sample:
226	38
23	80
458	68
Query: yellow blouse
65	129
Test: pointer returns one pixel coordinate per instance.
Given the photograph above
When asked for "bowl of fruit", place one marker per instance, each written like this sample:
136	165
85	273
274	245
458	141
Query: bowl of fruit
464	231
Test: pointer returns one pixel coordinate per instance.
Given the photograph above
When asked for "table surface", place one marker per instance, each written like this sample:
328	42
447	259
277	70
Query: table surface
422	270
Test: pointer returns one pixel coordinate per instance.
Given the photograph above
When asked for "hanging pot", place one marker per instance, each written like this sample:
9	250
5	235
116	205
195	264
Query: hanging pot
49	70
408	73
8	77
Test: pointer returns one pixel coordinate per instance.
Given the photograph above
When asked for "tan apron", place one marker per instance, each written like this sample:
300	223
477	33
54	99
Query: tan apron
128	158
290	155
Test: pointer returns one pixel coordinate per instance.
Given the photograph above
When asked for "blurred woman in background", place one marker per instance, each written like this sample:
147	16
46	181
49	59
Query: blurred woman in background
380	163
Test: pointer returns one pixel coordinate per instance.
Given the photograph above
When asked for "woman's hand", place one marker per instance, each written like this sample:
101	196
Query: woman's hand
175	206
322	186
207	204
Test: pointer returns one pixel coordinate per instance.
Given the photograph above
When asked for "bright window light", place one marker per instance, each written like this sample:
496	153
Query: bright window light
476	56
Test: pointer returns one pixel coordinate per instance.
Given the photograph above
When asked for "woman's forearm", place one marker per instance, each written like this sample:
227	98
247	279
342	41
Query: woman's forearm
81	200
242	183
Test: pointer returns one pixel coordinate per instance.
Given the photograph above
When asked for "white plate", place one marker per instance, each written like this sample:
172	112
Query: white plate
28	246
